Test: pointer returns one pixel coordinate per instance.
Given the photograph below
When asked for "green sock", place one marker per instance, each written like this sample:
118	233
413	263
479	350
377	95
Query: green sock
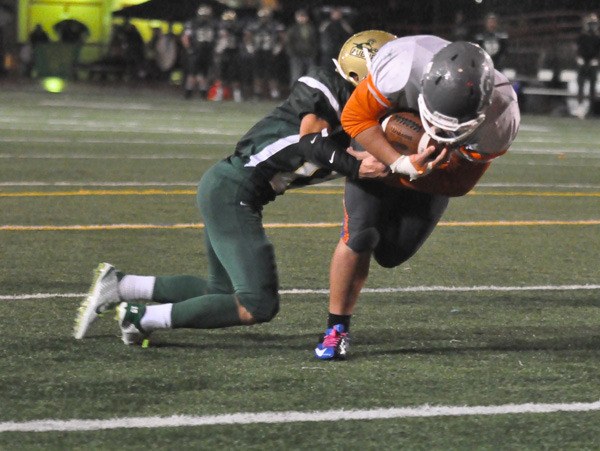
211	311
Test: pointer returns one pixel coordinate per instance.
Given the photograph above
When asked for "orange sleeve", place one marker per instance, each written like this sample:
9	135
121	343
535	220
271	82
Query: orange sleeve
364	108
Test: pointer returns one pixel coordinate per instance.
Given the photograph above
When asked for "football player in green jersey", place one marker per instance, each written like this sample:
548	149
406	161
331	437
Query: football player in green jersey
299	143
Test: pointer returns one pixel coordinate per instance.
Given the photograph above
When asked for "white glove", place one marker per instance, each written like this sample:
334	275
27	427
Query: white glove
404	166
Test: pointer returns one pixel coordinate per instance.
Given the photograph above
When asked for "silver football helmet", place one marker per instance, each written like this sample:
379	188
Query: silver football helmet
456	90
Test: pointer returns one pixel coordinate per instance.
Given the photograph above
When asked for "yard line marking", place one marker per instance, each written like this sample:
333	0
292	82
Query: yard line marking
591	152
273	417
279	225
154	192
111	106
111	157
295	291
427	289
538	185
24	297
145	142
533	193
99	184
84	192
104	127
534	128
339	182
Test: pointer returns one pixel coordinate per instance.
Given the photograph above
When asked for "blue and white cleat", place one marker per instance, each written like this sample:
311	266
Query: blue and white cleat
334	345
103	295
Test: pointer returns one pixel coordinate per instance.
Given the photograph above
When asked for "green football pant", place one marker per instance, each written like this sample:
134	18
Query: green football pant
240	257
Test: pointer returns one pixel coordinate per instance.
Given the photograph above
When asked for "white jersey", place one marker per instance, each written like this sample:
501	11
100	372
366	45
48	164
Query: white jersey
398	67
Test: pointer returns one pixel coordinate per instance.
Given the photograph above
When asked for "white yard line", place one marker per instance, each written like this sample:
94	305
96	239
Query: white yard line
59	156
106	128
424	411
129	141
295	291
590	151
338	183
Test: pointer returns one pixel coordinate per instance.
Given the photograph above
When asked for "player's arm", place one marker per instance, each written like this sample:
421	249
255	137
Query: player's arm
360	119
326	153
455	178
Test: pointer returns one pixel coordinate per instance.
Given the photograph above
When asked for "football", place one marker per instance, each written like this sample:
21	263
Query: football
404	131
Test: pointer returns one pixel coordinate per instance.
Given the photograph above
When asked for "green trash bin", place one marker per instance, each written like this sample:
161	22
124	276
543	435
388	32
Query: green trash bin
55	59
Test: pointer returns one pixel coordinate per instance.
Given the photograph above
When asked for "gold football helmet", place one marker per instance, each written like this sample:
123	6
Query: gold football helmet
355	56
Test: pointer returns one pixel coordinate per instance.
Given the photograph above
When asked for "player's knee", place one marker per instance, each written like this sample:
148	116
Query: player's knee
392	256
255	309
364	240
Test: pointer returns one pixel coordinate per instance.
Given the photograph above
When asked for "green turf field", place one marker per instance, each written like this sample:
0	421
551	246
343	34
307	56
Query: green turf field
498	313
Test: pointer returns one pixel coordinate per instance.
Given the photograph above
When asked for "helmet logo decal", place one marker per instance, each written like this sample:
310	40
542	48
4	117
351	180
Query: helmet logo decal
360	47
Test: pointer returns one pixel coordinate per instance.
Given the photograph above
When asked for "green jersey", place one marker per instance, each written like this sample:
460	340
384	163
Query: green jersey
273	147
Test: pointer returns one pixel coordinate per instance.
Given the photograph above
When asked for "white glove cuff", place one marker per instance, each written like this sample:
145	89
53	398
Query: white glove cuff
403	166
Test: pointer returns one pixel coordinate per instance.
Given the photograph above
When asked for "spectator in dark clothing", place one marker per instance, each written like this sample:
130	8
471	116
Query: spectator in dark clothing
227	58
38	36
302	45
134	50
71	31
198	39
460	30
493	41
333	34
588	52
264	40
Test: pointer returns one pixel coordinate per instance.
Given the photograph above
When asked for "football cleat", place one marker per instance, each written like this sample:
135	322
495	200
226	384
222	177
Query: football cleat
128	316
334	345
103	295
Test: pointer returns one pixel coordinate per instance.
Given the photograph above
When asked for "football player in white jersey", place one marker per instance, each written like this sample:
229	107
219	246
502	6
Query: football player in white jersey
467	108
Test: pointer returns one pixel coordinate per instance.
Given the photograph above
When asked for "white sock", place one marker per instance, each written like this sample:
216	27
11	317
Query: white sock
136	288
157	317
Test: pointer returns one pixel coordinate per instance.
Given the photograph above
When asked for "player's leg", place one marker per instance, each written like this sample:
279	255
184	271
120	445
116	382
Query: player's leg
234	74
190	67
593	78
240	244
234	223
204	62
581	78
111	286
350	264
347	275
407	219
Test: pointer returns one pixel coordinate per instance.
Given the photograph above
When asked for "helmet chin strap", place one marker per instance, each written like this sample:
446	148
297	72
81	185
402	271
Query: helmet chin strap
367	58
342	73
433	125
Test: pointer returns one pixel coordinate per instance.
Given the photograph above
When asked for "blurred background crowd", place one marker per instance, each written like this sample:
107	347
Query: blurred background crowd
255	49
